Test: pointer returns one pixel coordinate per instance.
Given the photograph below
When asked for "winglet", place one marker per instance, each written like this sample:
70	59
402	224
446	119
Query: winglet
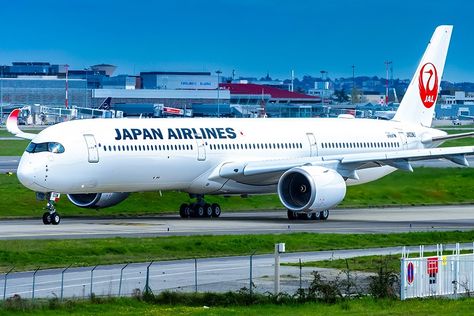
12	126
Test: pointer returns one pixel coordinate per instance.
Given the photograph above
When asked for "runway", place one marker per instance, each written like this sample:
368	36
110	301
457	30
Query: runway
9	163
344	221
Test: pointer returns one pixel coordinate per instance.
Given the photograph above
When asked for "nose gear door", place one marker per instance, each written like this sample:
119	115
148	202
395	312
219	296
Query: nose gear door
93	151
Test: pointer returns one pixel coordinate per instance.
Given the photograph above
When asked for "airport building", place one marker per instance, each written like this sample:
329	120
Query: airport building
457	105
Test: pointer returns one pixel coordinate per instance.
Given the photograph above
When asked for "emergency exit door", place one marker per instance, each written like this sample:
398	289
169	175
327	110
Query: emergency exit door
92	150
313	146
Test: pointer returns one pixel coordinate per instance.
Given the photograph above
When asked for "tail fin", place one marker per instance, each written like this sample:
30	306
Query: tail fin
418	104
106	104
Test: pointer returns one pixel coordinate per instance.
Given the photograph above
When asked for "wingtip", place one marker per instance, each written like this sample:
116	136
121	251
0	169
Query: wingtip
12	121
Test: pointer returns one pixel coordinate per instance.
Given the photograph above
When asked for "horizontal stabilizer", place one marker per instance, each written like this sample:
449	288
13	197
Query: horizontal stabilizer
452	136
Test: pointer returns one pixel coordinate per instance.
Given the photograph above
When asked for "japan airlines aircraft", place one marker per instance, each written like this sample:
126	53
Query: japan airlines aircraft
307	162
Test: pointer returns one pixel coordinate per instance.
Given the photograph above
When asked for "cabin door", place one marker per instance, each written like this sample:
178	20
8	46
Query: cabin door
93	151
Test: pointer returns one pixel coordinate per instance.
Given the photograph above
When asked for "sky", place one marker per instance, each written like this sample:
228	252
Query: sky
252	37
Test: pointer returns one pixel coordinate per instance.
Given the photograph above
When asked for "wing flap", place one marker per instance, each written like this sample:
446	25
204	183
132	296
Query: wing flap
411	155
346	165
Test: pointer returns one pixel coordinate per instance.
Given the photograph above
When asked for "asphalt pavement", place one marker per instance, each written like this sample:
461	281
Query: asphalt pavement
365	220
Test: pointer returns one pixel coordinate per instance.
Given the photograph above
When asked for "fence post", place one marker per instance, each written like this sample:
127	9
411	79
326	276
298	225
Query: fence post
5	283
92	278
121	275
402	279
62	281
251	273
33	289
147	282
195	275
301	281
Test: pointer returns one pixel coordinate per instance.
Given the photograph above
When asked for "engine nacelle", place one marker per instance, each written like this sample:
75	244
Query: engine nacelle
311	188
97	200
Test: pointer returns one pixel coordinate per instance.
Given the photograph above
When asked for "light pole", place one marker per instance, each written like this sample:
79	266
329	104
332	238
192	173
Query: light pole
218	72
323	81
353	83
1	95
387	62
66	102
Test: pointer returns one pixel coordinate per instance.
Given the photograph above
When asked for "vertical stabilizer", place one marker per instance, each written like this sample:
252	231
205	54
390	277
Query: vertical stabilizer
418	104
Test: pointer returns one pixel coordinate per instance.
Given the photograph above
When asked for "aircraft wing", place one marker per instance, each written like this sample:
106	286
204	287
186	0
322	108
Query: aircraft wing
269	171
12	126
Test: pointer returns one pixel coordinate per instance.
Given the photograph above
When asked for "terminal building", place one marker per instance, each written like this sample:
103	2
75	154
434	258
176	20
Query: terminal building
458	105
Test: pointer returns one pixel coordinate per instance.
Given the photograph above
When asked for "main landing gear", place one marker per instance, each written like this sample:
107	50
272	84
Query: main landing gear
323	215
51	216
199	209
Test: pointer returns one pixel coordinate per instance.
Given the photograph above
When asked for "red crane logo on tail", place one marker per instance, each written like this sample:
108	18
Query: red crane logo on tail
428	85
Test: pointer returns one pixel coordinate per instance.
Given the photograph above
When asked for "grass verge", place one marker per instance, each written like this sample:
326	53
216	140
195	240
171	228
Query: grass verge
425	186
30	254
12	147
363	306
363	263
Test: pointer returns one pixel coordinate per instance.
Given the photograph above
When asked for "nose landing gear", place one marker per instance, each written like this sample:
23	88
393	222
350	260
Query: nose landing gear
51	216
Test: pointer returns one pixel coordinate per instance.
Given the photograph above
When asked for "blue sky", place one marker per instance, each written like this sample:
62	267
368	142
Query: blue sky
252	37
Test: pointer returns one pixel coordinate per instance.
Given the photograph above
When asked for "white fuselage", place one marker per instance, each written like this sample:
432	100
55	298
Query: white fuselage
130	155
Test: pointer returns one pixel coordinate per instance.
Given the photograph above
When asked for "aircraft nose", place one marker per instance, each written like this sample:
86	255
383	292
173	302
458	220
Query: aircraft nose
26	172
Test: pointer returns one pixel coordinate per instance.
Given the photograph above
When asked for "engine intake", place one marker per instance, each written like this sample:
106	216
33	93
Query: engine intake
97	200
311	188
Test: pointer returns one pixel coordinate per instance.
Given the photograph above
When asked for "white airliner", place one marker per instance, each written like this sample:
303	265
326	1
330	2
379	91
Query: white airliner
308	162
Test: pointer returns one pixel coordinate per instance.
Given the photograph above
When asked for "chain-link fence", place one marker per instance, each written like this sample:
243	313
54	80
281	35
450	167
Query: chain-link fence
256	273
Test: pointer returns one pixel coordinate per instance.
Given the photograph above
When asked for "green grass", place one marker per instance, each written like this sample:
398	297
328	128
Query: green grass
423	187
364	306
13	147
29	254
5	133
363	263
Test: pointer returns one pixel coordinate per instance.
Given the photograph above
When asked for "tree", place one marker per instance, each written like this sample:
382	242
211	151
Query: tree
341	96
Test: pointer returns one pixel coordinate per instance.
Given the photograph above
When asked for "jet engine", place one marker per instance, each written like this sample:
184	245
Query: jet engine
311	188
97	200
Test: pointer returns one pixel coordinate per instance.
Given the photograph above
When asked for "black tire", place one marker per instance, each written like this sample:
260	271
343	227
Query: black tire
46	218
323	215
315	216
55	218
199	210
207	210
304	216
184	210
291	215
216	210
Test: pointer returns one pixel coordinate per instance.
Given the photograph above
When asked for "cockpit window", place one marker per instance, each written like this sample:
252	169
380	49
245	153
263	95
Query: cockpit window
56	148
52	147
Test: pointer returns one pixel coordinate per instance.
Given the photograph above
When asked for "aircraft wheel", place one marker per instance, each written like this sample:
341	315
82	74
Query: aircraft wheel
184	210
216	210
47	218
207	210
291	215
199	210
323	215
315	216
55	218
